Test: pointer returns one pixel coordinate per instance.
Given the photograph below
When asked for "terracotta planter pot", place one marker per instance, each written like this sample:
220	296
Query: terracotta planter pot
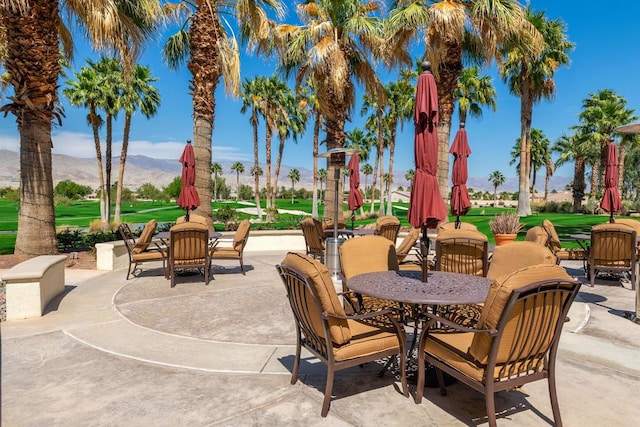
503	239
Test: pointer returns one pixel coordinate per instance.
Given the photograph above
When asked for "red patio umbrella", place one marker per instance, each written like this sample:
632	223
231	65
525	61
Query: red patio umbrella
611	198
460	203
355	198
426	207
188	198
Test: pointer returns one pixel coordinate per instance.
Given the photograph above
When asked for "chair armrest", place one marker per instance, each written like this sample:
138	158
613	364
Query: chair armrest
433	318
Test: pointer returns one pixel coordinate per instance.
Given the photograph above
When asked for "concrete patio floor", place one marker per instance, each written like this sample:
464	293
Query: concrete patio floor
139	353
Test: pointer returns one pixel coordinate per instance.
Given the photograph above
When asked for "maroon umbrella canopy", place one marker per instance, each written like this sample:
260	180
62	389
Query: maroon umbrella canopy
355	198
427	206
188	198
611	198
460	203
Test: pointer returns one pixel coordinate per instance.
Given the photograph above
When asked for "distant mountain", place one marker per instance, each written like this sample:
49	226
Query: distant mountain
160	172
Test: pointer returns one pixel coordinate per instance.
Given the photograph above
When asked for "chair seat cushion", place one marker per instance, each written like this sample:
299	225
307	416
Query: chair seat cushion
225	252
571	254
148	256
366	339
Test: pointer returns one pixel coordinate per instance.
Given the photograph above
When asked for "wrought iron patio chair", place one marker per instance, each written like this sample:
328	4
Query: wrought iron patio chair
220	250
613	250
189	249
313	238
388	226
142	249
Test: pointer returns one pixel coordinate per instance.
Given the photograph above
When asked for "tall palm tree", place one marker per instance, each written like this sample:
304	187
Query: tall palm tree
238	168
601	113
530	76
251	95
473	92
294	176
208	44
409	175
455	30
216	170
539	155
401	98
375	124
34	32
497	179
292	122
137	93
322	179
332	47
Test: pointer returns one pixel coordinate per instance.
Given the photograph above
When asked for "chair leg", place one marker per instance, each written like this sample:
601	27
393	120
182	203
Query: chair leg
327	392
242	266
403	373
553	396
490	405
420	382
443	390
296	364
129	270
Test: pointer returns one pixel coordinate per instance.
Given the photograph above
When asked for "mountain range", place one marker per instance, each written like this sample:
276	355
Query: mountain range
160	172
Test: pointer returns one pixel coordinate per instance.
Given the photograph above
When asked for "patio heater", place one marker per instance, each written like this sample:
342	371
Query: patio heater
632	129
336	158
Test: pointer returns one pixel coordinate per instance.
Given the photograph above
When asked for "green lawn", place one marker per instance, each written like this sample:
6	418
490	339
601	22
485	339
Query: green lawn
81	214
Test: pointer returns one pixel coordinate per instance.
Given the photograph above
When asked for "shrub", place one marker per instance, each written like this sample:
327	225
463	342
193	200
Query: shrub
90	239
225	214
69	239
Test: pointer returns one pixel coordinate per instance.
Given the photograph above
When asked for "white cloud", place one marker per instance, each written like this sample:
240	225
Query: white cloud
79	144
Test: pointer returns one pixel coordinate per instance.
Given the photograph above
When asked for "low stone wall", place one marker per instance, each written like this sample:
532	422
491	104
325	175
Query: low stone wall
32	284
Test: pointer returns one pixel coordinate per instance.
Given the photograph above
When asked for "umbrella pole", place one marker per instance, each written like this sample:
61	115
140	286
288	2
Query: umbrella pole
353	218
424	250
186	216
611	220
458	221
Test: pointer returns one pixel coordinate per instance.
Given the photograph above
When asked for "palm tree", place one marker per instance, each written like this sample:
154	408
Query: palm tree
497	179
571	147
238	168
308	96
322	178
375	124
602	113
539	155
473	92
454	29
216	170
294	176
211	51
401	98
137	93
366	170
34	32
409	175
530	76
251	95
331	47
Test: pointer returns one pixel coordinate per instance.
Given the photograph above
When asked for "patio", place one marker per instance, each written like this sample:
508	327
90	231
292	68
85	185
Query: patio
117	352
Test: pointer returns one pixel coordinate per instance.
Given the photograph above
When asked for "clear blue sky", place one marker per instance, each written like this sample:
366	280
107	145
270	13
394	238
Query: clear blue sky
606	57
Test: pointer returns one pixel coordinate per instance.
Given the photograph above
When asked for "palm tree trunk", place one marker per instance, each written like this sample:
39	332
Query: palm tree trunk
316	134
93	118
524	199
578	183
595	174
392	146
123	160
334	127
256	164
215	186
381	157
373	183
278	162
205	71
107	164
268	169
621	155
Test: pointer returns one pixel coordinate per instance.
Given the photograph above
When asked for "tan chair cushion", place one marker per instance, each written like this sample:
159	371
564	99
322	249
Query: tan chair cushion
554	239
148	256
498	296
452	225
367	254
609	250
462	256
145	237
537	235
386	219
516	255
194	218
635	224
239	240
189	249
366	339
319	277
407	243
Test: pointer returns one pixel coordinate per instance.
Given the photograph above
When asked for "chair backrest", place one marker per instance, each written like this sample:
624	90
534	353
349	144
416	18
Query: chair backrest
198	219
462	251
537	235
388	226
327	224
613	245
189	243
313	239
633	223
142	243
527	308
554	240
242	235
516	255
407	243
311	292
127	236
452	225
367	254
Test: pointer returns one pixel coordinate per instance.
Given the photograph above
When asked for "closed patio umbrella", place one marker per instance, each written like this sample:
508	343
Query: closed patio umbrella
611	198
355	198
426	207
460	203
188	198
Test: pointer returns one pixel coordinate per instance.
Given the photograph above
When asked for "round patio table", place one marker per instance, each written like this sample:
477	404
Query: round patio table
442	288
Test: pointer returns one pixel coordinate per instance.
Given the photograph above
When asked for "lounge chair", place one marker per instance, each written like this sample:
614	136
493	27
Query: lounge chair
561	253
